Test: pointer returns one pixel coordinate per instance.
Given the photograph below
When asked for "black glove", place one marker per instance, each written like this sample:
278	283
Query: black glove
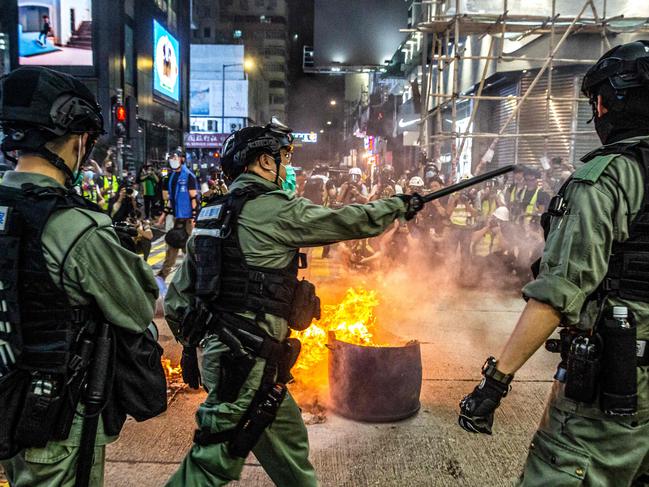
414	204
477	409
189	365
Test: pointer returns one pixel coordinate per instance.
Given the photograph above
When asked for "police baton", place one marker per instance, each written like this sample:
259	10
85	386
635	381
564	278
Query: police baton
467	183
94	399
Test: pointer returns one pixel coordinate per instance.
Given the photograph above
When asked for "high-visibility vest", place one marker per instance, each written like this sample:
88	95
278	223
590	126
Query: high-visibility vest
488	207
89	192
461	216
109	187
530	209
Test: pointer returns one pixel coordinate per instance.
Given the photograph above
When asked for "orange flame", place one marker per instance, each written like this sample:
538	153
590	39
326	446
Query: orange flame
352	320
173	373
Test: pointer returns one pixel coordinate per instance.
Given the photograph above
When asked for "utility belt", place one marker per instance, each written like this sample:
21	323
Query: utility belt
246	343
601	366
39	397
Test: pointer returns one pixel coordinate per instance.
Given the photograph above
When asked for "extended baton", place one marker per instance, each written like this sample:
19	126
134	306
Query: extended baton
468	182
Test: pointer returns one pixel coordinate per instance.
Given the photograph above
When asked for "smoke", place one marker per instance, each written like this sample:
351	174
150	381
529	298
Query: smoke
424	284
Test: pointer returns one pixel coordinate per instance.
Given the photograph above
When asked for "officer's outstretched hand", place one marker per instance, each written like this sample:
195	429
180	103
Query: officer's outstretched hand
414	204
477	409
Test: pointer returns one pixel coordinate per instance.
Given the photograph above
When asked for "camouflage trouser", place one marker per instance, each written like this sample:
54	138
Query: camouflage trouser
569	449
283	449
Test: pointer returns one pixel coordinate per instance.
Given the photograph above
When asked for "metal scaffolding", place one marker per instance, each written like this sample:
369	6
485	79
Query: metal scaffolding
444	29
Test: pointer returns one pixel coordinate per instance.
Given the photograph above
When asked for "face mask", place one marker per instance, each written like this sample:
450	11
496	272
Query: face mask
290	184
89	175
174	163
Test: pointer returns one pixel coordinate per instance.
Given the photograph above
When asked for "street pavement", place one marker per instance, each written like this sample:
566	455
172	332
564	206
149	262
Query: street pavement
457	330
456	334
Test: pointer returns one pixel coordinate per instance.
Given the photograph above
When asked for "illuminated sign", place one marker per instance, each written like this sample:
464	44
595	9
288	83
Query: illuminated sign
55	33
166	62
306	137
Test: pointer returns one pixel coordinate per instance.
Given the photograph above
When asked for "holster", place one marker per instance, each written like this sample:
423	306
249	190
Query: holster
13	388
305	307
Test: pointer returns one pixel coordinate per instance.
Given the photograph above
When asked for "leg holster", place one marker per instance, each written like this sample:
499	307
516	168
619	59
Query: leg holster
247	342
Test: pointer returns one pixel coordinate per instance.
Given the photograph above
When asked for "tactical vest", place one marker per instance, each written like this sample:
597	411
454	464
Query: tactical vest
40	325
628	267
223	278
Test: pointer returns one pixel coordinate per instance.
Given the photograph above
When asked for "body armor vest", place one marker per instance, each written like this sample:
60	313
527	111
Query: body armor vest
44	323
223	278
628	267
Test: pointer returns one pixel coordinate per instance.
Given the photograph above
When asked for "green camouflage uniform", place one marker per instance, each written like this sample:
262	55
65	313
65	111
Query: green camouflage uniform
576	444
270	228
122	286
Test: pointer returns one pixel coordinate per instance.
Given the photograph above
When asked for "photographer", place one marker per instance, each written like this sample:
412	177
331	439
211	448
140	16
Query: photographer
124	204
148	180
353	190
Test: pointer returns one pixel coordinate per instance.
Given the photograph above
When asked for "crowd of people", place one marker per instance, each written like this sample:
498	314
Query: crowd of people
480	231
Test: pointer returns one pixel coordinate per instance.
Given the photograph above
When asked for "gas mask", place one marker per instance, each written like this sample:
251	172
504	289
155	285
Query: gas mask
77	172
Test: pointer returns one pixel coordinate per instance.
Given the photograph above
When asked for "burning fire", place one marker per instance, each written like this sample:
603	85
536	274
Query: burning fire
352	320
173	373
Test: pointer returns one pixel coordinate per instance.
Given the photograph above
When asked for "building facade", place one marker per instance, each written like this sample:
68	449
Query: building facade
138	49
262	27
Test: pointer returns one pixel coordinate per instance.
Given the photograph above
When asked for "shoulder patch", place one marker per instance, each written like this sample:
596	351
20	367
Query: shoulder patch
593	169
4	218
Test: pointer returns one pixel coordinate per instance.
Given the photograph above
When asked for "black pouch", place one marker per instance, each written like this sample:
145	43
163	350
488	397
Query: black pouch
208	255
292	348
41	410
583	366
619	379
305	307
140	385
233	374
177	237
13	388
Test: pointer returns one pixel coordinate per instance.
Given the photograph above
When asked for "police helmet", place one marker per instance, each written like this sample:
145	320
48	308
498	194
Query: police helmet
38	105
621	77
248	141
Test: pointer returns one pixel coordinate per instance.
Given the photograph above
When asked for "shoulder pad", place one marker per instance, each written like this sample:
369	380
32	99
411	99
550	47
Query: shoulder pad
593	169
100	219
283	194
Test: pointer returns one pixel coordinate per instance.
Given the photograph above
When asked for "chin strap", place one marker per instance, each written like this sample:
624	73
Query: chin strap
57	162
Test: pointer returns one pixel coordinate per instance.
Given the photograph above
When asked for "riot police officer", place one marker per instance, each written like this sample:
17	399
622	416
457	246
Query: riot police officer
63	276
593	281
241	272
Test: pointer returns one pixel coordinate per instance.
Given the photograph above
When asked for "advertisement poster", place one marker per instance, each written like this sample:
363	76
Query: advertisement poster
206	98
166	61
55	32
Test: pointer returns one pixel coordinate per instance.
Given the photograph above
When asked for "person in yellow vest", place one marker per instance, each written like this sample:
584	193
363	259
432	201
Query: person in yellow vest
108	183
463	212
514	191
89	188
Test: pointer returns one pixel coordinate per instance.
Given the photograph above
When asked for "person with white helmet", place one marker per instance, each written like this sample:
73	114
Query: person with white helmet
416	184
353	190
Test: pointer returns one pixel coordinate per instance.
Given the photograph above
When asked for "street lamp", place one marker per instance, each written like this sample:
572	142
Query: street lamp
333	103
328	122
248	64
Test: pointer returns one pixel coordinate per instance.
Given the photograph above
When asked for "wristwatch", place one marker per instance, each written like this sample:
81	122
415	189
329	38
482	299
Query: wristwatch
489	370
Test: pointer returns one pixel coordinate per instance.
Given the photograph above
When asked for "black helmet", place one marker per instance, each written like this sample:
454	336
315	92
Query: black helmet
250	140
625	66
38	105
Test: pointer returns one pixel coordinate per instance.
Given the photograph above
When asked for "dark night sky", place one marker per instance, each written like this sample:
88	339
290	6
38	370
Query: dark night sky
358	32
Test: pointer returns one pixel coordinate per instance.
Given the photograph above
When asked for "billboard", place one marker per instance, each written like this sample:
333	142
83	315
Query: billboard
166	62
206	98
55	32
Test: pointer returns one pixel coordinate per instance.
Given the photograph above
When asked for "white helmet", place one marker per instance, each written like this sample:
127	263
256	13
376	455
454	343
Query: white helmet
355	171
501	213
416	182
